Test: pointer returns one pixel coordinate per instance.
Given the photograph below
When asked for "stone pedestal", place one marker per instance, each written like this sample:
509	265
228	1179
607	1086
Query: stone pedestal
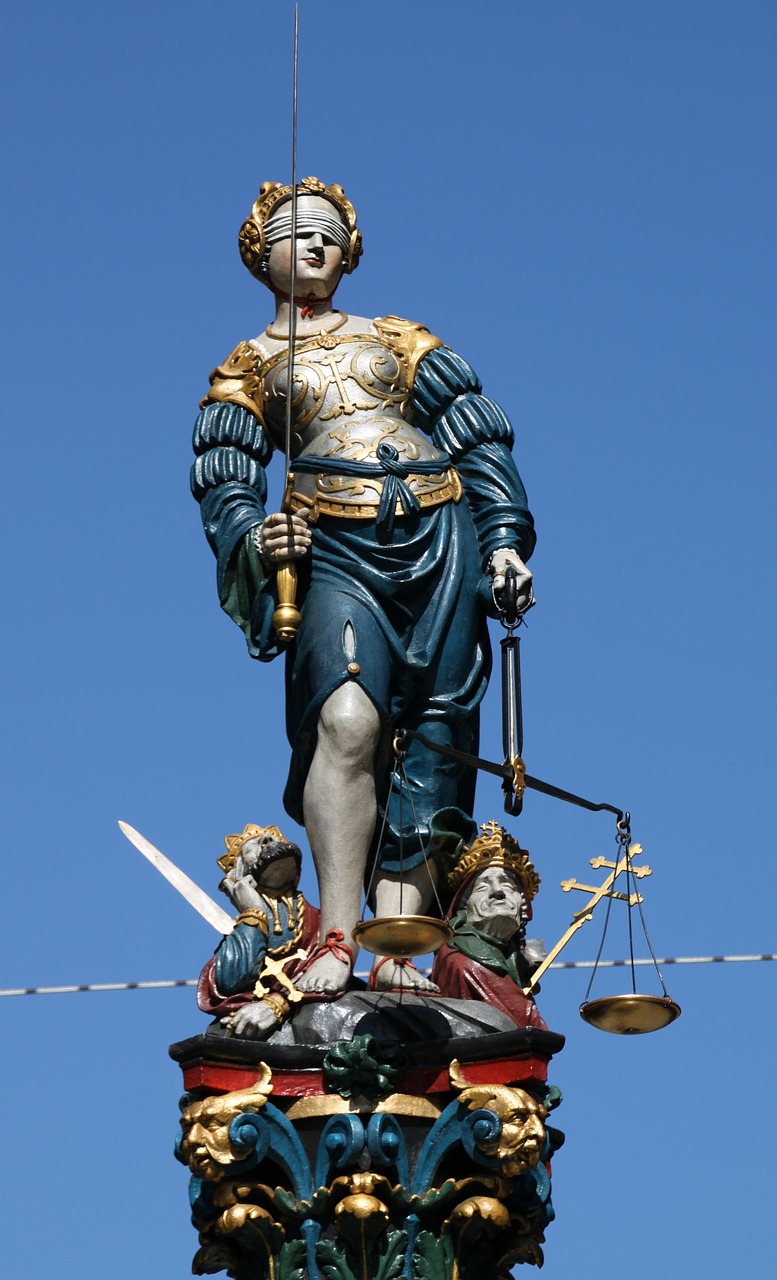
373	1136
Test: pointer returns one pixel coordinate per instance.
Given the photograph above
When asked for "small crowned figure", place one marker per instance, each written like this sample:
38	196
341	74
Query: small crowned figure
276	924
489	957
403	512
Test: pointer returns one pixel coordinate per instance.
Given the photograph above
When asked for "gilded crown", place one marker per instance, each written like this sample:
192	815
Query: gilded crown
251	238
495	848
235	843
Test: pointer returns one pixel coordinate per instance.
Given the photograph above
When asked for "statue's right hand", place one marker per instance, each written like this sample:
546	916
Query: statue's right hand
253	1021
283	537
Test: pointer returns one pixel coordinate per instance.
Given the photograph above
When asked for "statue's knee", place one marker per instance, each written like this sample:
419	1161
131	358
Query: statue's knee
349	725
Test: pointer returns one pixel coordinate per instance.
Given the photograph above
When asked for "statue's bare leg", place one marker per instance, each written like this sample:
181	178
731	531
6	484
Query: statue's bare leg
340	811
409	896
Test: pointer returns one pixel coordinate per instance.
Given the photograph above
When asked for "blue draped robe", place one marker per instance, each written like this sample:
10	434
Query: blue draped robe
416	602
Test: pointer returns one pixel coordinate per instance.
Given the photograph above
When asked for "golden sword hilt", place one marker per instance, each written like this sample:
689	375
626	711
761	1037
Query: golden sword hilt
287	617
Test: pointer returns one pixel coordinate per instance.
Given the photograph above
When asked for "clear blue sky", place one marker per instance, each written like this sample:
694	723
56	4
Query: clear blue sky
580	198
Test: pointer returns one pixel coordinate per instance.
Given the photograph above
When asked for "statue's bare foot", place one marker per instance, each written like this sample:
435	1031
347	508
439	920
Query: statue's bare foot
326	976
399	975
328	968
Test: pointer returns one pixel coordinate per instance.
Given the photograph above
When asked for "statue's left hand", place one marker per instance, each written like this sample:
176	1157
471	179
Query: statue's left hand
499	563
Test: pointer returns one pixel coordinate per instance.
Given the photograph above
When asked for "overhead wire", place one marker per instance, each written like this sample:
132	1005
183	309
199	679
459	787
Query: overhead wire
557	964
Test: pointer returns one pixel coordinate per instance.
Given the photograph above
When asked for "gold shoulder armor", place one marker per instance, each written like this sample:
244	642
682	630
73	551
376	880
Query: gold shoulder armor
255	917
237	381
409	341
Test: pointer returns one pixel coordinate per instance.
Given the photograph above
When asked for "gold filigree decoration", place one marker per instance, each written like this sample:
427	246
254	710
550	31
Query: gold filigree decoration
496	847
251	1218
361	1208
485	1207
251	237
205	1144
396	1104
315	374
522	1133
346	507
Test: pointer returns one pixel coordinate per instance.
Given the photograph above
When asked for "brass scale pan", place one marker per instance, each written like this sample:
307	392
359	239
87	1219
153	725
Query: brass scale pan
402	937
630	1015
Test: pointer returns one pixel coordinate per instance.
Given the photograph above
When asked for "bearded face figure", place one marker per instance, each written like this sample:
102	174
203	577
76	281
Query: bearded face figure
496	904
522	1134
266	864
205	1145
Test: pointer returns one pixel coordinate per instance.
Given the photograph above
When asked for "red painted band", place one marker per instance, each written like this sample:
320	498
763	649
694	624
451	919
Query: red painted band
418	1081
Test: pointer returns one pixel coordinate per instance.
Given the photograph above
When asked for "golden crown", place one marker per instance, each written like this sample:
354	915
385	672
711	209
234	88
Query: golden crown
496	848
235	843
251	239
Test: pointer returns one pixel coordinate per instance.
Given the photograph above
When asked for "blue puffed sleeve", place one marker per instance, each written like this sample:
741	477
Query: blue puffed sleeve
228	480
449	404
239	959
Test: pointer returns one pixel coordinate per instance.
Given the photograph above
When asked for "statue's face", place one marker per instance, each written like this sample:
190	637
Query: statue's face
495	905
206	1143
281	873
319	261
522	1137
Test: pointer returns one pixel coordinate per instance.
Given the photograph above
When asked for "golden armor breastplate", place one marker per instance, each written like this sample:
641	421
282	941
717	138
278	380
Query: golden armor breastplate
350	396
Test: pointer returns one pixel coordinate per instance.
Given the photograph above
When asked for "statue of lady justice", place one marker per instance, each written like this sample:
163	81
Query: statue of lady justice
403	512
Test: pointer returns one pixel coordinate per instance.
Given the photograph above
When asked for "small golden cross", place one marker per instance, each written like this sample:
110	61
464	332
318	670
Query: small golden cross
274	969
598	892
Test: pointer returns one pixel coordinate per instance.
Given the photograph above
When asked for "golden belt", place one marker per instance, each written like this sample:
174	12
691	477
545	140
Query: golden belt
393	486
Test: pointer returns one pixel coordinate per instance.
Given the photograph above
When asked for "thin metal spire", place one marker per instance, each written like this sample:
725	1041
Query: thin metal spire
293	280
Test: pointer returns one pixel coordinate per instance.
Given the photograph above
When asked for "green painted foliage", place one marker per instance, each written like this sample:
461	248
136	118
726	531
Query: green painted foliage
290	1263
433	1257
332	1260
357	1068
388	1256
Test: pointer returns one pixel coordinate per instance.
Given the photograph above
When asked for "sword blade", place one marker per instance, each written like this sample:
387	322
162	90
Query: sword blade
293	280
194	895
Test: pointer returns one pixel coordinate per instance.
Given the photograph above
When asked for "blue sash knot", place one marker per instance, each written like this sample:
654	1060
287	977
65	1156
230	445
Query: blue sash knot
390	467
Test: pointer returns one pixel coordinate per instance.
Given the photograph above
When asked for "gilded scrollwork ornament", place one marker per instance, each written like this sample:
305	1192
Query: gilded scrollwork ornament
208	1144
365	1201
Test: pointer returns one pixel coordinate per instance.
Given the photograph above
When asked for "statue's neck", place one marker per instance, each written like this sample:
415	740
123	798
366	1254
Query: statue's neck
311	315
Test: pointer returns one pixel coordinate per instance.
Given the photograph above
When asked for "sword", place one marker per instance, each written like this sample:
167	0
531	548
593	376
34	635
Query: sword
286	617
194	895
